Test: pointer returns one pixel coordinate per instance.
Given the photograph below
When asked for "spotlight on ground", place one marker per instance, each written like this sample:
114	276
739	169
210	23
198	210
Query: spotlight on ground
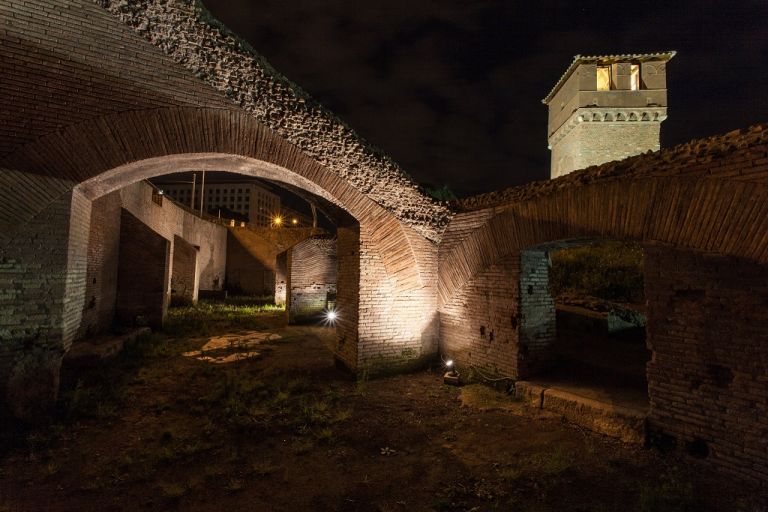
451	377
330	317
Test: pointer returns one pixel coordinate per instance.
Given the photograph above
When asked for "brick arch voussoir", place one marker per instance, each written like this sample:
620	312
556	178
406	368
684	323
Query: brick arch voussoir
711	215
85	151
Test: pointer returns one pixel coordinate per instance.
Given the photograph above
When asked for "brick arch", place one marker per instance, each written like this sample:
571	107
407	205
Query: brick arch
391	321
710	214
114	150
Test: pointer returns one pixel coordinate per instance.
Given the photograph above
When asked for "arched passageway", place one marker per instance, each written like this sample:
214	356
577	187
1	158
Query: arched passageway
699	213
387	298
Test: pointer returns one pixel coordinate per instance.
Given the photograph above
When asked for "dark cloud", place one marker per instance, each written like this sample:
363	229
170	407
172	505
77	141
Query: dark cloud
452	90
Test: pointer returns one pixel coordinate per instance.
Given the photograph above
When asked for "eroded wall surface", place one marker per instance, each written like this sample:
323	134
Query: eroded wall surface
708	378
312	271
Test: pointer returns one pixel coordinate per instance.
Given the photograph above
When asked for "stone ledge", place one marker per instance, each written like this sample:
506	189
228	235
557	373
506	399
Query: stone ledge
624	423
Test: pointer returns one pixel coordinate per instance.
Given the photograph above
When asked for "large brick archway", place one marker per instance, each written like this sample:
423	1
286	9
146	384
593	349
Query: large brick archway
113	100
387	265
700	211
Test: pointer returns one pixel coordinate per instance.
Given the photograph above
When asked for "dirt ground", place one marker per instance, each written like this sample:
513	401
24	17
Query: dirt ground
260	419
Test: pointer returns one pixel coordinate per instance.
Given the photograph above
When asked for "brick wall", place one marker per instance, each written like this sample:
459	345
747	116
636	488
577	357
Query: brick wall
168	220
537	311
281	278
143	274
184	271
707	378
252	256
480	326
42	273
312	270
398	319
348	295
101	277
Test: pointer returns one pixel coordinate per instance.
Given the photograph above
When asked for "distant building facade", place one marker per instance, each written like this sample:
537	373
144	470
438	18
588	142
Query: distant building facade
246	198
606	108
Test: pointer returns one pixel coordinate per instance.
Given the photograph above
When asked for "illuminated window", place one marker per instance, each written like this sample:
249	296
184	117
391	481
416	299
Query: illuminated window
603	78
634	77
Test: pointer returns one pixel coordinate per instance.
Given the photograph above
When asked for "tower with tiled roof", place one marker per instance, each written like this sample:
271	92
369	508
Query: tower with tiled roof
606	108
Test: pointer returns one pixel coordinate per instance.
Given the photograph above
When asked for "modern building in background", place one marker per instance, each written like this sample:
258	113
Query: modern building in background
249	199
606	108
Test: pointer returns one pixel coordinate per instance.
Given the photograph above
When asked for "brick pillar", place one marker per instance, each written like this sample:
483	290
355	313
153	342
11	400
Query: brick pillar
537	312
143	274
281	278
348	296
706	380
101	280
185	276
312	269
398	326
42	272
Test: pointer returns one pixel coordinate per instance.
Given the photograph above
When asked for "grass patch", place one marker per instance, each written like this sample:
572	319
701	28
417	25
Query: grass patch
612	271
670	495
207	318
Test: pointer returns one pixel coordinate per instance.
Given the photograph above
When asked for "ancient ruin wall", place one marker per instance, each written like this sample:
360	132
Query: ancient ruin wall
169	220
187	33
312	268
480	326
101	276
183	271
252	256
707	378
143	273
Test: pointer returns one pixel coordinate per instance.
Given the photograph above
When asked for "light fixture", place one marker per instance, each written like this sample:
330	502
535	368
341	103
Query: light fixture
451	377
294	221
277	221
331	315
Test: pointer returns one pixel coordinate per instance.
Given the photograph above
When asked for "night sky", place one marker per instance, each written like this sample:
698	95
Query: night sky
452	90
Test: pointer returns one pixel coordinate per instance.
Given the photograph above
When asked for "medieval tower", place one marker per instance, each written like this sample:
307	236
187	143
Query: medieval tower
606	108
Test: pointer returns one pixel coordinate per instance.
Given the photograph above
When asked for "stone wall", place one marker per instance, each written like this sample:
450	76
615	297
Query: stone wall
143	274
707	378
312	271
594	143
689	206
184	277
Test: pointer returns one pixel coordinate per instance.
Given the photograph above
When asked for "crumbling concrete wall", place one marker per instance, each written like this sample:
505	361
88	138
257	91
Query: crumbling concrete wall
312	274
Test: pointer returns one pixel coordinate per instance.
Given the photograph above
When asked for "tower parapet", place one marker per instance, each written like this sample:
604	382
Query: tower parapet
606	108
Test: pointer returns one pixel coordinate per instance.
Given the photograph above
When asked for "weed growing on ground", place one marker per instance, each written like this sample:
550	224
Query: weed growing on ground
207	318
672	494
361	386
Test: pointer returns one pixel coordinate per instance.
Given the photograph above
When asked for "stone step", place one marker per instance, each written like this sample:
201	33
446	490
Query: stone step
624	421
